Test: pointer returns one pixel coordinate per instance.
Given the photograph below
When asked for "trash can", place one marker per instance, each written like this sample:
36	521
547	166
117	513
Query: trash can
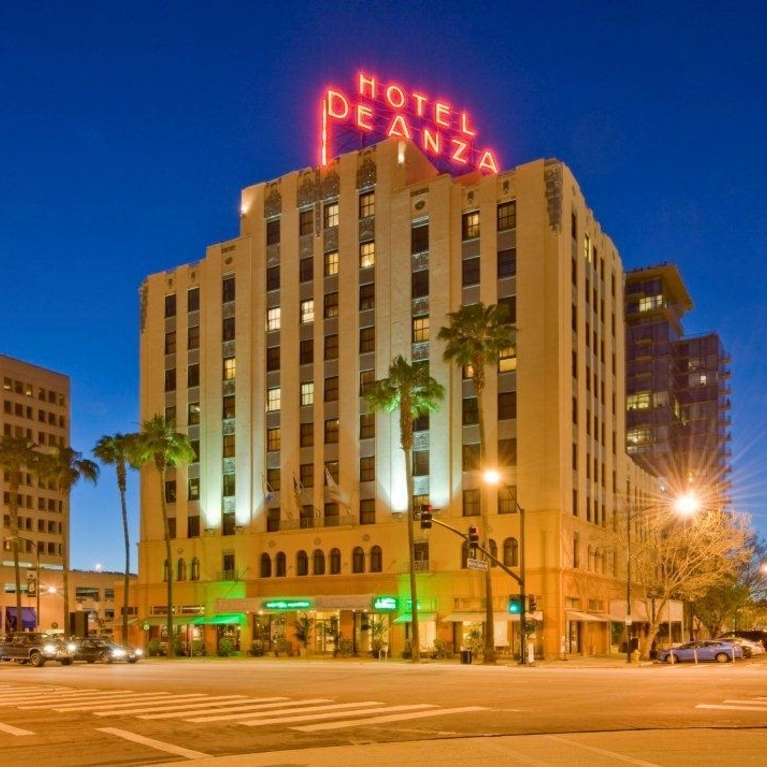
465	656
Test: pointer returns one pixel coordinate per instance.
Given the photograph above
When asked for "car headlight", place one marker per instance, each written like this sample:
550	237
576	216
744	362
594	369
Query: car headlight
71	647
118	653
139	652
50	648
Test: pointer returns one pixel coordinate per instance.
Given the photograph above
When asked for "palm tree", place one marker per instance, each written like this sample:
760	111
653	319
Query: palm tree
476	337
66	467
411	390
116	449
16	453
160	444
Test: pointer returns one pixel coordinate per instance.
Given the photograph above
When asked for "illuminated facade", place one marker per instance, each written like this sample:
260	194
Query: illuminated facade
261	350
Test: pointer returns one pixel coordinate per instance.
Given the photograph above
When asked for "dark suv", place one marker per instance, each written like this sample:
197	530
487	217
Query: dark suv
33	648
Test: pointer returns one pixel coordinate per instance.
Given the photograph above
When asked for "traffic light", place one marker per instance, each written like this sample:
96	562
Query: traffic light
473	538
532	604
426	510
515	605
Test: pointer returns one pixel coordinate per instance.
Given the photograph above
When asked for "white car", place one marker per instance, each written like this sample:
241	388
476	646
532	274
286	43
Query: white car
749	648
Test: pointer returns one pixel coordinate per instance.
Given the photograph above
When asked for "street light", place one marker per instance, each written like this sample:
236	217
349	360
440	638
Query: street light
685	505
493	477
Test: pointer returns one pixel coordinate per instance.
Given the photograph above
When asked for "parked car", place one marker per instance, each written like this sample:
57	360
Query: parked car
702	650
92	649
34	648
749	648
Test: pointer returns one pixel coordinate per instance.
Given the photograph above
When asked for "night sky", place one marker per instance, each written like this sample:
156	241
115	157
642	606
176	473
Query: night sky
127	132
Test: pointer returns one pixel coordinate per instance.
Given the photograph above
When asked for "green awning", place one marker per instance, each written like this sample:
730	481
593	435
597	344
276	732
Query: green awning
408	617
217	620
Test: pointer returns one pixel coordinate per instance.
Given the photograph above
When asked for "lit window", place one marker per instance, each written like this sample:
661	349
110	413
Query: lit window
331	431
273	439
367	254
331	263
639	401
230	368
193	413
648	303
307	311
420	329
273	318
507	359
470	225
228	448
273	400
331	215
367	204
307	393
587	247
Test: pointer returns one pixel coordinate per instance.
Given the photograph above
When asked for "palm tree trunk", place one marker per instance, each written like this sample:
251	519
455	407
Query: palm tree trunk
126	583
416	639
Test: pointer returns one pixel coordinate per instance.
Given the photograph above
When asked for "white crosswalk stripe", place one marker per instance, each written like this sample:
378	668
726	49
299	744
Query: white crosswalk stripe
753	704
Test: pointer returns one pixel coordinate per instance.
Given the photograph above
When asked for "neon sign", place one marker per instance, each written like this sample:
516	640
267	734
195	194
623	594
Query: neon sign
287	604
379	110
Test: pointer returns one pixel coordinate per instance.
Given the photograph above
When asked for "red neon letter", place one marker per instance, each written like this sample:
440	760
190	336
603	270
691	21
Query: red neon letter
364	117
337	105
432	141
399	127
368	83
487	162
395	96
465	125
442	114
459	151
419	102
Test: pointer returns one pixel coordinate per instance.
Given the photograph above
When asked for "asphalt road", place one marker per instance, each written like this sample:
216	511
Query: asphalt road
161	711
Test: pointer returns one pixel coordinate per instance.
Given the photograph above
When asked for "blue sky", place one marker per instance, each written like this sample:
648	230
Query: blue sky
127	132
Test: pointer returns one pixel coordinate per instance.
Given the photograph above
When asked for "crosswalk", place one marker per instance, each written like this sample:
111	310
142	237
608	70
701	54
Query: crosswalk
758	704
303	715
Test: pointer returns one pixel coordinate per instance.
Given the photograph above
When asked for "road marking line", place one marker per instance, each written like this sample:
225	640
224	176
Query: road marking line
335	714
158	697
237	712
10	697
168	748
140	703
387	718
757	702
612	754
213	702
731	708
11	730
94	697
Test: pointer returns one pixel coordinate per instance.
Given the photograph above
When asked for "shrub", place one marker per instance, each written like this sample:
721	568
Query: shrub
256	648
282	645
225	647
407	652
154	647
441	649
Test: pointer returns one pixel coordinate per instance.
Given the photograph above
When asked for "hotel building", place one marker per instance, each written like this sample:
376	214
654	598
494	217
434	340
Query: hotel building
262	349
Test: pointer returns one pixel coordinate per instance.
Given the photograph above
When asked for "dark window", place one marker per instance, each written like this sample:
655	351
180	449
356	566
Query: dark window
420	284
419	239
335	561
420	463
376	559
330	308
306	436
470	411
227	329
306	474
193	375
367	511
273	278
507	405
306	352
193	526
193	337
228	447
358	560
470	225
228	289
229	406
367	296
193	413
193	491
318	562
331	389
306	222
229	485
507	263
273	231
367	469
331	347
272	358
470	272
193	299
170	491
170	380
507	216
367	379
367	426
302	563
170	305
306	270
170	348
266	566
280	564
511	552
367	340
331	431
421	423
471	503
510	302
470	457
507	452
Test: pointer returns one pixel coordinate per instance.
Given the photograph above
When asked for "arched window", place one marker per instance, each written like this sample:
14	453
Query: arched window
318	562
511	552
358	560
195	569
165	571
335	561
280	565
376	559
266	566
302	563
181	570
494	551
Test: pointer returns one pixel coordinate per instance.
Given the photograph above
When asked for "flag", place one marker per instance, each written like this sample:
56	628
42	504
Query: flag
298	490
269	495
335	492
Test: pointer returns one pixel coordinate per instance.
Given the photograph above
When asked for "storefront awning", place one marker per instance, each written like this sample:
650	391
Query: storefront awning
575	615
216	620
408	617
469	616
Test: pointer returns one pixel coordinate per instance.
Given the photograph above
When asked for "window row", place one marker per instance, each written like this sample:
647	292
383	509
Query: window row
506	219
28	390
321	564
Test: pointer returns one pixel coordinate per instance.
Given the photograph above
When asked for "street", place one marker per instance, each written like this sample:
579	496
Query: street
161	711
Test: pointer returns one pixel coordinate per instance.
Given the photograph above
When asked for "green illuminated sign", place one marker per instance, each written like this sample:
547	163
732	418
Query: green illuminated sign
287	604
384	603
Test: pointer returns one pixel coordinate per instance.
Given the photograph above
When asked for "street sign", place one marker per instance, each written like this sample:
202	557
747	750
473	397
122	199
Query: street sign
476	564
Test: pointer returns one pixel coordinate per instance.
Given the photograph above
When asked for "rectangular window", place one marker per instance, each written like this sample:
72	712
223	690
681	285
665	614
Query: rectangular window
367	204
273	278
170	305
367	254
306	352
330	305
367	380
227	329
230	368
273	477
367	511
507	263
307	393
170	380
367	296
228	409
367	469
229	486
330	215
273	399
331	389
306	222
193	337
331	347
507	500
470	272
420	463
331	431
195	443
306	270
193	300
273	231
170	342
228	289
507	405
306	311
471	503
170	491
193	490
228	447
419	239
507	452
420	329
367	340
330	261
273	318
507	360
470	411
306	434
367	426
470	457
510	302
507	216
272	358
306	472
470	225
419	284
273	439
193	413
